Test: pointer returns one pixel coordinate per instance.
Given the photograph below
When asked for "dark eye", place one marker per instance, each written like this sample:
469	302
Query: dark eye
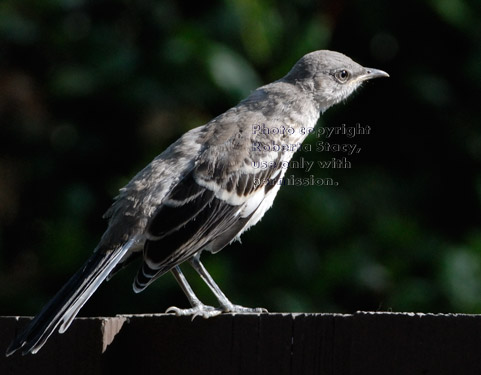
342	75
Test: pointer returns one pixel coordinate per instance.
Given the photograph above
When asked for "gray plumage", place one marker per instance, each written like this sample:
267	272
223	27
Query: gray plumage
203	191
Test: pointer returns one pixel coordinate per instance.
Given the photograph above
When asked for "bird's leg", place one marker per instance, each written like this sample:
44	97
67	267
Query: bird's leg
198	308
225	304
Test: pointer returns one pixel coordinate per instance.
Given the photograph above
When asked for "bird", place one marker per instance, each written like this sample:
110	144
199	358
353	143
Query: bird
203	192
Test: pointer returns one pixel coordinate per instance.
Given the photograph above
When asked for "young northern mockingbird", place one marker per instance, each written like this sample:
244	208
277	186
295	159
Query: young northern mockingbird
203	191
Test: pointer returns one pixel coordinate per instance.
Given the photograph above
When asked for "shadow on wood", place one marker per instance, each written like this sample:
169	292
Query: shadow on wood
362	343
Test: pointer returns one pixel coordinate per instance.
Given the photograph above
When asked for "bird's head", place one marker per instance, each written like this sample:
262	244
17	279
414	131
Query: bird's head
329	76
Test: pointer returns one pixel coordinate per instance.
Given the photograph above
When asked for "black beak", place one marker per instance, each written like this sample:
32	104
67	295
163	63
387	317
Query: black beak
371	73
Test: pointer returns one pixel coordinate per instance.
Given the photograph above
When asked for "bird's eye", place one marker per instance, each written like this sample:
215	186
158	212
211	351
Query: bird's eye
342	75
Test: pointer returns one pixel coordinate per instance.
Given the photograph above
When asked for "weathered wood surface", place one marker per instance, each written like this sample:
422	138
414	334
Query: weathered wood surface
360	343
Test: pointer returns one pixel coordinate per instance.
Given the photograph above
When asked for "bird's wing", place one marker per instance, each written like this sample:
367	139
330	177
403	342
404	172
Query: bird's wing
207	208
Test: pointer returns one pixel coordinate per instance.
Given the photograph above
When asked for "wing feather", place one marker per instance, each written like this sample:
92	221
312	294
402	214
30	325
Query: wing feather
206	209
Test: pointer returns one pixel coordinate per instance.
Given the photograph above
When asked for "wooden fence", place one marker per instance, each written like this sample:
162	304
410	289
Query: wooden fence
275	343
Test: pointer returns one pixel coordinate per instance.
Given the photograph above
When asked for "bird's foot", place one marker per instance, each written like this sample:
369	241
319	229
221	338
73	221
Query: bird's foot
206	311
201	310
237	309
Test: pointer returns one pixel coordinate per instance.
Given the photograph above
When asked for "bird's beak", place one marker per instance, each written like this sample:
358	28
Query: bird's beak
371	73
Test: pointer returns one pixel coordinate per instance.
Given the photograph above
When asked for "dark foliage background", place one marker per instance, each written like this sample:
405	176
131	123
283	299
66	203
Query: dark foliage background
91	91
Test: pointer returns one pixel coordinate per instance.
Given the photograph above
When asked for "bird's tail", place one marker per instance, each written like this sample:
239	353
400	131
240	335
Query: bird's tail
66	304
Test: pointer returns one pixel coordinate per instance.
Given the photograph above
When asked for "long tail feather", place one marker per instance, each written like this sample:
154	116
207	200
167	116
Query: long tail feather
66	304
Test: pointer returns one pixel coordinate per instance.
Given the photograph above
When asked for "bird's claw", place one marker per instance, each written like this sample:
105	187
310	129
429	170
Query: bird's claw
237	309
206	311
202	310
